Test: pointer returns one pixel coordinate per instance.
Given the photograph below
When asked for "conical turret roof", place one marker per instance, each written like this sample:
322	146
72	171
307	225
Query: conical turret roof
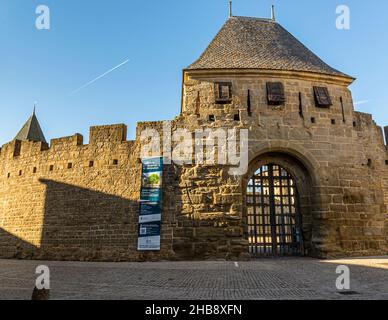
31	131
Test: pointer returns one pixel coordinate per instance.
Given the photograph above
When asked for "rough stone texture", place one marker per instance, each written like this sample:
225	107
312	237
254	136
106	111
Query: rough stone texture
78	212
69	209
72	201
344	206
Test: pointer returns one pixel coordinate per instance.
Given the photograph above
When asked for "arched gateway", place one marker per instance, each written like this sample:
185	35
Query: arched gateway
278	206
273	213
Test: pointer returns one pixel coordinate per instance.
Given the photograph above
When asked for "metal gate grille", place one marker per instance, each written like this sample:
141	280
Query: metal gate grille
273	214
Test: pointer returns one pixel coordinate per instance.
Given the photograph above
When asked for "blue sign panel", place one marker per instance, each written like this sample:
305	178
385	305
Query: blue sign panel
150	215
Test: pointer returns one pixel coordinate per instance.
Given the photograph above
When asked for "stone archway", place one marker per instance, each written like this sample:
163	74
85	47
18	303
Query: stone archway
279	222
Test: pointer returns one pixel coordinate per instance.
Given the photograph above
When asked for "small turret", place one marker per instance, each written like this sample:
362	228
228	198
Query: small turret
31	130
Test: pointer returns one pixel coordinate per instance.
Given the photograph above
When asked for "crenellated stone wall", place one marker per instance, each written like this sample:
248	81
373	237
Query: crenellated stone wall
72	201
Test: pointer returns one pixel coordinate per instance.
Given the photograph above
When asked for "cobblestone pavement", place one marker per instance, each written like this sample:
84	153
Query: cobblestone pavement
291	278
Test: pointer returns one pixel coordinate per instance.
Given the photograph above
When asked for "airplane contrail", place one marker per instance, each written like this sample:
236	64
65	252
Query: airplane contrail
361	102
98	78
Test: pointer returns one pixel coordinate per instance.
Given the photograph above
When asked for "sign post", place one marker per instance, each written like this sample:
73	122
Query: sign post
150	215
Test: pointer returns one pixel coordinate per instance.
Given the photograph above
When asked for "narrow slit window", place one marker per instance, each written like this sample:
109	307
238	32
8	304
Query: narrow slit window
91	164
343	110
237	117
275	93
69	165
115	162
223	92
197	104
212	118
301	105
249	104
34	170
51	168
322	97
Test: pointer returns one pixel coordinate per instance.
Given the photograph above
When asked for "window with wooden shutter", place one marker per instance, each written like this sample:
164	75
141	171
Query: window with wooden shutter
275	93
223	92
322	97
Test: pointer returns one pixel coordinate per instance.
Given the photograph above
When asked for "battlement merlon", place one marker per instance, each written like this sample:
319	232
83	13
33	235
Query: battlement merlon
112	134
16	148
60	143
149	125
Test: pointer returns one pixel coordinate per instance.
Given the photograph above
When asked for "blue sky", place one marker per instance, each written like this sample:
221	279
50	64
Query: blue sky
160	38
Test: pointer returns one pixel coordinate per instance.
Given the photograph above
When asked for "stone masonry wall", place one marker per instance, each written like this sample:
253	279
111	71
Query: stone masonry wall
385	180
344	213
72	201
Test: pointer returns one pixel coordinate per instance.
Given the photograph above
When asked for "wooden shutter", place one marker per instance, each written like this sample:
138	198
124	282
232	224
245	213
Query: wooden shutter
322	97
223	92
275	93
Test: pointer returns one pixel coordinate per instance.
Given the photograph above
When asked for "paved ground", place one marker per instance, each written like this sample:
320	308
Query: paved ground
262	279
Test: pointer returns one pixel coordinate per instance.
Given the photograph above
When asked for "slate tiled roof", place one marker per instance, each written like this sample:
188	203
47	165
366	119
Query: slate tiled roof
254	43
31	131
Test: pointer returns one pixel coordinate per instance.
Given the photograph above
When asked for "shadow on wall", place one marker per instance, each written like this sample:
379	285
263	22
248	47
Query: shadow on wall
81	225
14	247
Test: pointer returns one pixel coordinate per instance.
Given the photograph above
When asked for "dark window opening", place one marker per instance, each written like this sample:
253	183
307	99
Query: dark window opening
237	117
223	92
343	110
197	104
212	118
386	162
322	97
51	168
354	124
275	93
312	120
20	172
301	106
9	175
249	105
34	170
115	162
369	162
91	164
18	147
332	121
69	165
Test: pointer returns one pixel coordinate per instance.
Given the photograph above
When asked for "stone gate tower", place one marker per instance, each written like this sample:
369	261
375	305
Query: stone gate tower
316	181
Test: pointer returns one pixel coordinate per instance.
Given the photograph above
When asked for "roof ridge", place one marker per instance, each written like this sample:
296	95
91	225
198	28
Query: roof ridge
255	18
